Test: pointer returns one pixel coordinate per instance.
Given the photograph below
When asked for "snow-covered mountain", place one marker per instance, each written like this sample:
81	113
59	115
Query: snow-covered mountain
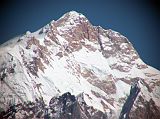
77	71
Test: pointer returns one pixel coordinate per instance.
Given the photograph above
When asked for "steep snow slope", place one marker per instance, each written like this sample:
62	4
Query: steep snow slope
71	55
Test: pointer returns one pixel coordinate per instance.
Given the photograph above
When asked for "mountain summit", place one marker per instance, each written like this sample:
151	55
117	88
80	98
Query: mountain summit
70	69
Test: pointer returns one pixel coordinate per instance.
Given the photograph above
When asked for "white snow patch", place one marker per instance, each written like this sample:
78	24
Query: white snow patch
95	59
123	89
124	46
107	48
104	39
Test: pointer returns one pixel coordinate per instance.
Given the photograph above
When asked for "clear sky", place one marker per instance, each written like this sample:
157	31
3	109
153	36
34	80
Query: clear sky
138	20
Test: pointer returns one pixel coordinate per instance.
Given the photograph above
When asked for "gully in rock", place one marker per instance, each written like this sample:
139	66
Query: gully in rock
135	89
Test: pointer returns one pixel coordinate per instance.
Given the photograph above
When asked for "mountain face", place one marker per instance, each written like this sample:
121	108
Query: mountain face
70	69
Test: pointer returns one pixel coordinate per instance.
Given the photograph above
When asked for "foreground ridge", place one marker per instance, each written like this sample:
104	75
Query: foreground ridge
65	106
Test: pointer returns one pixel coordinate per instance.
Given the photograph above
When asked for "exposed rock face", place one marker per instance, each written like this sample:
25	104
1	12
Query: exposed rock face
97	66
66	106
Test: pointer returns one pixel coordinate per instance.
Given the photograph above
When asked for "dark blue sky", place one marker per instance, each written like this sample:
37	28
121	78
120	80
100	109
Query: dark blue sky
138	20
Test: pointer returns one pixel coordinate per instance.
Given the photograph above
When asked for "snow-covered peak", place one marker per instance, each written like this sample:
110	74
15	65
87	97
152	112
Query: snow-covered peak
74	15
71	18
72	55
